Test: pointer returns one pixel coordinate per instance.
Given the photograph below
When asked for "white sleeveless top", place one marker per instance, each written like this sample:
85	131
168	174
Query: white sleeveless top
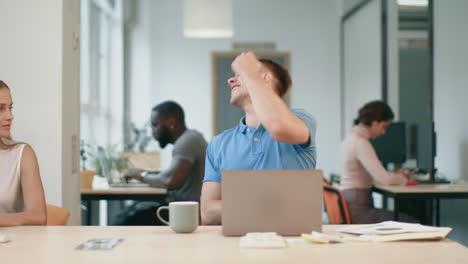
11	196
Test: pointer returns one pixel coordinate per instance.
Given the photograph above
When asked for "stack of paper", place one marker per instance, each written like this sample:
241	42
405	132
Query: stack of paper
262	240
396	231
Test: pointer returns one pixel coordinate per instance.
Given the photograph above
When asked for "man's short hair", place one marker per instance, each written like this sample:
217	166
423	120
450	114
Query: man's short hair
281	75
170	109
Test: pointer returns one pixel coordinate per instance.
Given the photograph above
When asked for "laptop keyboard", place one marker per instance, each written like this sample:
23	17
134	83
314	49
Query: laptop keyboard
129	185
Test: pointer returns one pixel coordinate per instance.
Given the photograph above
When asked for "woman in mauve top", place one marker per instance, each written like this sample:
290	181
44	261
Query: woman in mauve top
22	199
361	167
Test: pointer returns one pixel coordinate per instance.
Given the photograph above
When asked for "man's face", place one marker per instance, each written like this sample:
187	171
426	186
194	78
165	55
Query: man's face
160	129
239	92
6	116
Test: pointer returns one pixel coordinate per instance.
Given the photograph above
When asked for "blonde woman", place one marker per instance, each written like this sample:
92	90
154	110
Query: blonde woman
22	199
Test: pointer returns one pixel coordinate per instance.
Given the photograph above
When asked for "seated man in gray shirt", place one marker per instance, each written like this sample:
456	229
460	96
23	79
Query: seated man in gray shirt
183	178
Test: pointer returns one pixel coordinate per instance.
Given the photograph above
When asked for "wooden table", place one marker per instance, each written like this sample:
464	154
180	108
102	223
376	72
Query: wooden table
430	192
50	245
129	193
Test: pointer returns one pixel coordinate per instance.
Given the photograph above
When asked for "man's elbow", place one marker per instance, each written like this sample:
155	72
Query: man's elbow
210	213
172	185
209	219
205	218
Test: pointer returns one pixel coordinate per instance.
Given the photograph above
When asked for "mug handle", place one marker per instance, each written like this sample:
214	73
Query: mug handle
159	216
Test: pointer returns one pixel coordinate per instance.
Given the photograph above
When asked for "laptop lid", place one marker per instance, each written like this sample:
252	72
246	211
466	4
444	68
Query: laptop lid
104	164
288	202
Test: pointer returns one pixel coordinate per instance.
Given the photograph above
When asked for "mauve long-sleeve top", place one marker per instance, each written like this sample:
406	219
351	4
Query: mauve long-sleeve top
361	166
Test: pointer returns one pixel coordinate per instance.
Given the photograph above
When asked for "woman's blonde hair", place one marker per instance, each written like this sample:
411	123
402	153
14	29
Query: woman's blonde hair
6	143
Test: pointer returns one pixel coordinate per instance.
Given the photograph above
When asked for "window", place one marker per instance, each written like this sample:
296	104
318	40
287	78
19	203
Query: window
102	88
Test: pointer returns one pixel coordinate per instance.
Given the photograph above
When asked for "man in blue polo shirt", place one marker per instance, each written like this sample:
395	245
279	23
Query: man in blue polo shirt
269	136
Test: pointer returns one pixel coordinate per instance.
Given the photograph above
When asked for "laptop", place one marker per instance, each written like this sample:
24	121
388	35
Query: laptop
288	202
106	171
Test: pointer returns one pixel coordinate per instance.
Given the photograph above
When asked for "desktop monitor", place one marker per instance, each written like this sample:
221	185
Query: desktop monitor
426	147
391	147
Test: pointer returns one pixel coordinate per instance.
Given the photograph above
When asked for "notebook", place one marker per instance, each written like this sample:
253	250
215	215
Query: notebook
288	202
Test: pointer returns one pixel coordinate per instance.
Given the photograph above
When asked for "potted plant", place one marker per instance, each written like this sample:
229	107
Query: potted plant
86	174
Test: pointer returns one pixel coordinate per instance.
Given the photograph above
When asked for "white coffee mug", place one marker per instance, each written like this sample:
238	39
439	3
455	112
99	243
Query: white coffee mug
183	216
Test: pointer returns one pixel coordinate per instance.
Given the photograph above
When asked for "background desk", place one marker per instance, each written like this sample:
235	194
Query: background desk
430	192
113	194
41	245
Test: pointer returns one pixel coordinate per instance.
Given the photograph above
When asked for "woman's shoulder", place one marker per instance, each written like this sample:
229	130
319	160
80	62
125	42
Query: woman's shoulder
22	147
361	141
13	147
16	153
21	150
28	157
27	149
353	141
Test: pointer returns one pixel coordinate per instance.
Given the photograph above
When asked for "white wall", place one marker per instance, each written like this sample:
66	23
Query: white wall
347	5
450	95
451	87
363	54
362	69
138	26
41	66
393	93
180	68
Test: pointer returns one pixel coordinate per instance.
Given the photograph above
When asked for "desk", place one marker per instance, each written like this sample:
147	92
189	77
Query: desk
431	192
130	193
55	244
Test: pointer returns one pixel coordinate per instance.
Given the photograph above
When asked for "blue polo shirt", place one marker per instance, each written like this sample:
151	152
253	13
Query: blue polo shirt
245	148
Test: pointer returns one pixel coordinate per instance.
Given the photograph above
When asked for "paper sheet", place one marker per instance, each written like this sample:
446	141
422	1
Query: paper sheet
396	231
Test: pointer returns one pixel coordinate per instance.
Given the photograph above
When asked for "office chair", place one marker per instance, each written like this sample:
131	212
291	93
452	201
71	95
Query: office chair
57	215
335	205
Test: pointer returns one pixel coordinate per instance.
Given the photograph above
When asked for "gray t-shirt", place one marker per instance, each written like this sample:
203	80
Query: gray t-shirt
190	146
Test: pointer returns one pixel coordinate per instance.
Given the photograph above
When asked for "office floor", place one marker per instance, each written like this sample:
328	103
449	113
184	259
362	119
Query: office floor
454	214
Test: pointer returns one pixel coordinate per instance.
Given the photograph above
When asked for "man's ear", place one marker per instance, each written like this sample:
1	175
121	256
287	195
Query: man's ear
266	75
172	122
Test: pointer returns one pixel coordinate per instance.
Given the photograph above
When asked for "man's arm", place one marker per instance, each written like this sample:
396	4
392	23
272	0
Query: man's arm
211	205
173	177
271	110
